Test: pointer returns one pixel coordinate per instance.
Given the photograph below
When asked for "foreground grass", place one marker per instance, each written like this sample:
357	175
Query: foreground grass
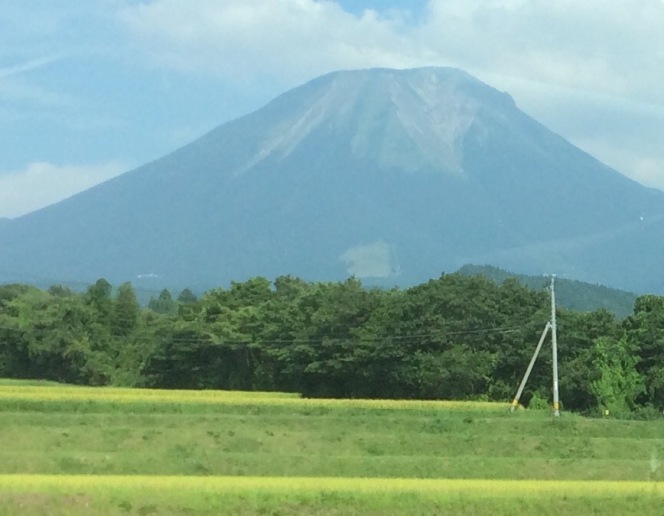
303	441
79	450
42	494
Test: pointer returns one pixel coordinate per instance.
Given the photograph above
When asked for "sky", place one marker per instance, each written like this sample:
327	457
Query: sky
92	89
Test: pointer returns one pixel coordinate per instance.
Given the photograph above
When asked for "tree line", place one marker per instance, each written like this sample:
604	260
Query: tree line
454	337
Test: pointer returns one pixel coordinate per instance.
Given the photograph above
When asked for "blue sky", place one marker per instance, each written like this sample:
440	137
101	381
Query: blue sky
91	89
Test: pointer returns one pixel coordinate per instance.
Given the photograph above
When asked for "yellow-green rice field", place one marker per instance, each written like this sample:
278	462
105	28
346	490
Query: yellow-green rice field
79	450
72	394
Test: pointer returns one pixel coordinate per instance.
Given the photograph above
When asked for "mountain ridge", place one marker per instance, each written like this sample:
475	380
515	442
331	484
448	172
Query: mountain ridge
388	174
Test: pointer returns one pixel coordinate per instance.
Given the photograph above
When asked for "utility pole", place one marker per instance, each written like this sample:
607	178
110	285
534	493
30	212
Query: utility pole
554	349
551	325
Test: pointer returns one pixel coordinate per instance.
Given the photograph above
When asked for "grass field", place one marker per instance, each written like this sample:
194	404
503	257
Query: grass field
76	450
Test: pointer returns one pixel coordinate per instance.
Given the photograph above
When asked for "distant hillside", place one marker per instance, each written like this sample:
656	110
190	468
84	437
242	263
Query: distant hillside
571	294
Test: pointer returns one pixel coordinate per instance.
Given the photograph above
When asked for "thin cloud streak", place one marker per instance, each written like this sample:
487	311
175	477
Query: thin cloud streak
29	66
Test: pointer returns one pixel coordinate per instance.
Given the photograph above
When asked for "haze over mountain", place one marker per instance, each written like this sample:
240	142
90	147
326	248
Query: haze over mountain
394	175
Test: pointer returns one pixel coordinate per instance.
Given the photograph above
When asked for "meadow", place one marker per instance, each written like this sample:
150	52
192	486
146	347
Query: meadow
81	450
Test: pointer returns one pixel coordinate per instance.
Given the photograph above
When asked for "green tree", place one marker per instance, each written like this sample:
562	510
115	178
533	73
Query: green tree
577	334
187	297
98	297
182	358
456	373
163	304
126	311
645	334
617	383
49	339
60	291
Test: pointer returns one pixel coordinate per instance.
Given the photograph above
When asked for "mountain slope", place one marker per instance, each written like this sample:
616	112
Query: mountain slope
571	294
389	174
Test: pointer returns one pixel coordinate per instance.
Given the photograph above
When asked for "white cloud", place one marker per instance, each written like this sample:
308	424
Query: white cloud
611	47
647	169
41	184
253	39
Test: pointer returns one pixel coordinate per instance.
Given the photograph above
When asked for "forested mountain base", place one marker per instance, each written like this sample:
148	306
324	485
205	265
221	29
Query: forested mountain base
455	337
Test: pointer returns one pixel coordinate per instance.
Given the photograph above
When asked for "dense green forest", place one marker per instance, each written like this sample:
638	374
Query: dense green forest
455	337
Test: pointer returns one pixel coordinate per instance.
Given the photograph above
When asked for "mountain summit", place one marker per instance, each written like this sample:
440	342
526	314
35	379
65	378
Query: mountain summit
395	175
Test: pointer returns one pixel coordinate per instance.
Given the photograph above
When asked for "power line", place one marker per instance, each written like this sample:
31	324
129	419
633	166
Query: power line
212	338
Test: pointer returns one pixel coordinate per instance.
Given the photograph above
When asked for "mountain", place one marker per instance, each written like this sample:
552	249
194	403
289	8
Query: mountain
571	294
390	175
